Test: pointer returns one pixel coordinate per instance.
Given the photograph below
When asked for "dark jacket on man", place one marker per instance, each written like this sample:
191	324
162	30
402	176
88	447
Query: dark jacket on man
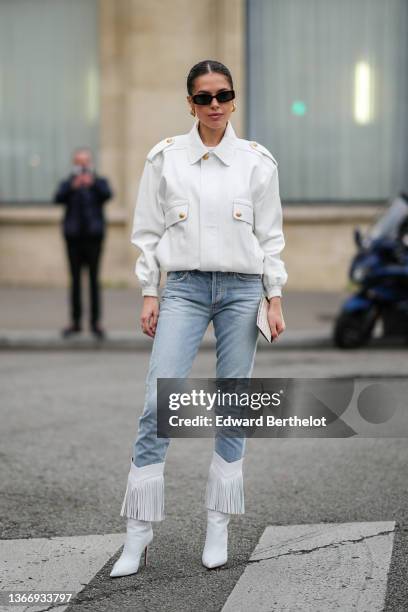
84	211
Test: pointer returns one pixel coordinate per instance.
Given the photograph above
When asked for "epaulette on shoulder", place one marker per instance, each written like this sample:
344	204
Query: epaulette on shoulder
255	146
160	146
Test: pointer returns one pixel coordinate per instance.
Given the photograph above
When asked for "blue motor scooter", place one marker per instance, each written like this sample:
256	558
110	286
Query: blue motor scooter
380	270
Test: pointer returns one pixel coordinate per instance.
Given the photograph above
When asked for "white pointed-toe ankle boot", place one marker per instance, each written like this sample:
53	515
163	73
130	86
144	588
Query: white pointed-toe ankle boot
224	496
138	536
215	551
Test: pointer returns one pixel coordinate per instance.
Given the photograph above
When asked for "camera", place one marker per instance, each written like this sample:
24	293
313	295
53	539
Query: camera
78	170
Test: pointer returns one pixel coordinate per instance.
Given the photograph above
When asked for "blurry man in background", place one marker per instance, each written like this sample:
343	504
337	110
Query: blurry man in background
84	193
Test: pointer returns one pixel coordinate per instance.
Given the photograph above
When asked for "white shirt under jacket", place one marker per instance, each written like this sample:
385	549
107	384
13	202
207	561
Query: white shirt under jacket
211	210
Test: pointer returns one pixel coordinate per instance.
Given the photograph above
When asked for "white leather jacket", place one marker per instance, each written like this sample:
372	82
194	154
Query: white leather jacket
217	210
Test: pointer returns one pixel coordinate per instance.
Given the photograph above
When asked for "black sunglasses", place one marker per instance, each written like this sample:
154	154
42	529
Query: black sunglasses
206	98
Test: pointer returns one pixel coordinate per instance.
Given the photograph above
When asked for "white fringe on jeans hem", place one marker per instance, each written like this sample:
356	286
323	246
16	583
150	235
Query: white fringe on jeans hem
144	497
225	486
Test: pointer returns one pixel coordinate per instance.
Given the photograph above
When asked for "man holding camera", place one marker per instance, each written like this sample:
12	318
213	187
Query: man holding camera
83	193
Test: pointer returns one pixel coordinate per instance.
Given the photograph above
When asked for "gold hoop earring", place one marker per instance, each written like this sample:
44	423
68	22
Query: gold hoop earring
192	112
234	108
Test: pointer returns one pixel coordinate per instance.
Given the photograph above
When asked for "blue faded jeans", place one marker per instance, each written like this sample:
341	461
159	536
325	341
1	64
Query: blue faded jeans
190	300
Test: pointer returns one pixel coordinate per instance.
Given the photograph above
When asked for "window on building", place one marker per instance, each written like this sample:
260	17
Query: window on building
327	93
49	101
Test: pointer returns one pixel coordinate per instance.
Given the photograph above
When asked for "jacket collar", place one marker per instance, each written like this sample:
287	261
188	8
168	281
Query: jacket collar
224	150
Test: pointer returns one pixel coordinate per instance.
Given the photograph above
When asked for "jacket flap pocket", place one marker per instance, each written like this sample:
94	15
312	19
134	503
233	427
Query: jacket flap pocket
243	211
178	212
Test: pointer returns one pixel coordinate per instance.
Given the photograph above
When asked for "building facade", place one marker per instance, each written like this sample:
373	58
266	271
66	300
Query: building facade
322	83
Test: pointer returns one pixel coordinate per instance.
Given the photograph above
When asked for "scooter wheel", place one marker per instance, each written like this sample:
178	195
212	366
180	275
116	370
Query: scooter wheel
354	329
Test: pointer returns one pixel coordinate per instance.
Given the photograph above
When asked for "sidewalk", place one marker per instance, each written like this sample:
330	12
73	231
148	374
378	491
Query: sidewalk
31	318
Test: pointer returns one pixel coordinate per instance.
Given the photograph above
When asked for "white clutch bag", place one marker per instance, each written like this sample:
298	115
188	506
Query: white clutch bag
262	319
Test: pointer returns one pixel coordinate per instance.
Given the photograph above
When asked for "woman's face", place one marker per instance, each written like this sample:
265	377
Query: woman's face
216	114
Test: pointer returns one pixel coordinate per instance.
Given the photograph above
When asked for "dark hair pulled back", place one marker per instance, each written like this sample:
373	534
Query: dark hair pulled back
204	67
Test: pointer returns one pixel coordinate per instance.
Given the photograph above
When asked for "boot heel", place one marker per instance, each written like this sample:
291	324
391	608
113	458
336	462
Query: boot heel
145	556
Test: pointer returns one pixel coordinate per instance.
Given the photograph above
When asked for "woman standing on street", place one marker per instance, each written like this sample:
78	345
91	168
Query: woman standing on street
208	212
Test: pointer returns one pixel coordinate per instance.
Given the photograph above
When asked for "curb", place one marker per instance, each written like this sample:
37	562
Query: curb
133	341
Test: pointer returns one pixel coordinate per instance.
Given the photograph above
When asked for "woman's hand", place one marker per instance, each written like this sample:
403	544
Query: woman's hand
149	315
275	317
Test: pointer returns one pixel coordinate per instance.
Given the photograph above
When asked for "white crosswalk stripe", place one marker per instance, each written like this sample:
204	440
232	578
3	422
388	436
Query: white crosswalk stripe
307	568
53	564
316	568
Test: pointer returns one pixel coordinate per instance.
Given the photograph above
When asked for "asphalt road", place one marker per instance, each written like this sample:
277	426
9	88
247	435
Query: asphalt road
68	421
